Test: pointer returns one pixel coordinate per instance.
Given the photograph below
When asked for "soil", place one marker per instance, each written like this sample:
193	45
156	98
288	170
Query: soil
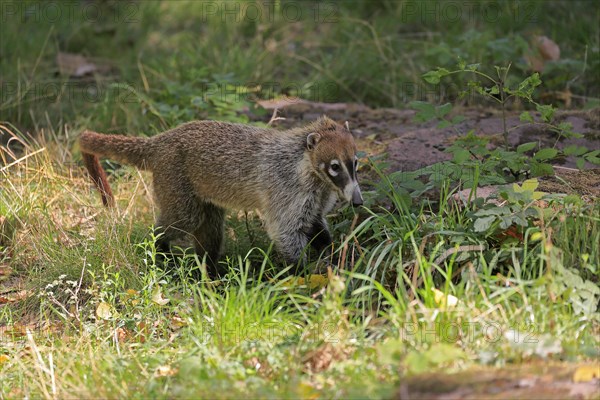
533	381
410	145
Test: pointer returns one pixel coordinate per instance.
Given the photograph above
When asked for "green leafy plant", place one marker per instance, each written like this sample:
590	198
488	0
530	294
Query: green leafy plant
473	158
517	208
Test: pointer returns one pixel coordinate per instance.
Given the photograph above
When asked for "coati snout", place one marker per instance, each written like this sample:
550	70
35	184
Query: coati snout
201	168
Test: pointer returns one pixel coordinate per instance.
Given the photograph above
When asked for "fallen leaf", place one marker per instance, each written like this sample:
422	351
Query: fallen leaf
158	298
74	65
543	49
586	373
165	370
15	331
548	49
178	322
11	297
5	272
315	281
122	334
103	311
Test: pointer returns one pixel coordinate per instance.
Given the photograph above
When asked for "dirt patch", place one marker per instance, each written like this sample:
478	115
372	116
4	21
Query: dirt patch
569	181
518	382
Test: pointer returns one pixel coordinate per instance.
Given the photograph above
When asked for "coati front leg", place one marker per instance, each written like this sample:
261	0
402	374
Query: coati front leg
292	240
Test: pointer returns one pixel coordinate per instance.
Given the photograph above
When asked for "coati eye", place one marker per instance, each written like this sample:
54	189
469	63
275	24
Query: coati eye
334	167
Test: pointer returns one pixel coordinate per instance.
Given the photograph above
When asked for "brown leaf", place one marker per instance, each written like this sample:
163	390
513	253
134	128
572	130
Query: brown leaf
548	49
165	370
74	65
543	49
104	311
586	373
13	296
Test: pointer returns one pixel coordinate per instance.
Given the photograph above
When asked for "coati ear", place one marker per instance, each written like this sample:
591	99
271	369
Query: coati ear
312	139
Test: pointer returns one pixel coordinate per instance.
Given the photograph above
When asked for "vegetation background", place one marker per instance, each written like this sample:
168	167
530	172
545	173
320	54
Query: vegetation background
464	289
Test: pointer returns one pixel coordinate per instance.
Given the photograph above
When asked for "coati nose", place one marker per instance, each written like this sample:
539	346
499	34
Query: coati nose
357	199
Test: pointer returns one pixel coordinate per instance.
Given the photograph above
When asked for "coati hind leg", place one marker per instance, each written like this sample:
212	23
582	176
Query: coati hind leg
183	213
208	237
204	223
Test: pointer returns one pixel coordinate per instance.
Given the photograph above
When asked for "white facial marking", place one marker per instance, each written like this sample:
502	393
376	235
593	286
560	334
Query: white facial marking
348	190
334	168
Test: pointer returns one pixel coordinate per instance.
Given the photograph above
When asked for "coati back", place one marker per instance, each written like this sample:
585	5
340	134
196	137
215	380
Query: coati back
201	168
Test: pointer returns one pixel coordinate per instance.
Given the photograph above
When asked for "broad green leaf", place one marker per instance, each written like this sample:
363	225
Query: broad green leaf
443	124
440	353
443	110
425	110
520	220
505	222
483	224
525	117
541	169
528	85
457	118
460	156
594	153
574	150
538	195
522	148
434	77
593	160
547	112
492	211
580	163
528	186
545	154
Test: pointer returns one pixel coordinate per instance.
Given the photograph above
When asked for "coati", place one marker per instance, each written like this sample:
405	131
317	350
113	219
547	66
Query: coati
293	177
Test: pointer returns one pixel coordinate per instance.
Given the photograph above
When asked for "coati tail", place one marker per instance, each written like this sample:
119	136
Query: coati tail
92	163
130	150
125	149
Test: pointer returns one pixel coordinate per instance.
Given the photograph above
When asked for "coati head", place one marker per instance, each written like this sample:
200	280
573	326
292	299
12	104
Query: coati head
333	155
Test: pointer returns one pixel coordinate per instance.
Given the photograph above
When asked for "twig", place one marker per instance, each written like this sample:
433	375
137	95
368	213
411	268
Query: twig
274	117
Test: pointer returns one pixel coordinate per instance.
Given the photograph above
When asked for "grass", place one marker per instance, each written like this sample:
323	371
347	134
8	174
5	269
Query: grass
97	316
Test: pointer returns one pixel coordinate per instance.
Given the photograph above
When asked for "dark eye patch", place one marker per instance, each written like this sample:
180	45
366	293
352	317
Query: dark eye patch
350	167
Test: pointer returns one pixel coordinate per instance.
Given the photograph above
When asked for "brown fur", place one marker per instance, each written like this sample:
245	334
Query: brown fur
92	163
